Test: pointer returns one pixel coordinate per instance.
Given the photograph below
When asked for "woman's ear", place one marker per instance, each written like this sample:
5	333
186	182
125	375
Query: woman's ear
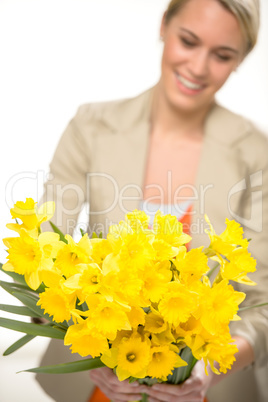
163	27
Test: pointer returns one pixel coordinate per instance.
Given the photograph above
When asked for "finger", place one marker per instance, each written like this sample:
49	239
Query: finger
108	376
173	398
115	384
192	385
121	391
125	397
117	394
150	399
104	374
169	394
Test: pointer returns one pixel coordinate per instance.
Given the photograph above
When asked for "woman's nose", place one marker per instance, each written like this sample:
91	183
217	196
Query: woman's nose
199	64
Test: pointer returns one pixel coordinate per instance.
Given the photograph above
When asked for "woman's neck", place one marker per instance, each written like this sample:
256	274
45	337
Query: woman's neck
166	118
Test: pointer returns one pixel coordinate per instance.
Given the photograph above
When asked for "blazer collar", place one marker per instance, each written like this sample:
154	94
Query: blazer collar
221	125
123	115
225	127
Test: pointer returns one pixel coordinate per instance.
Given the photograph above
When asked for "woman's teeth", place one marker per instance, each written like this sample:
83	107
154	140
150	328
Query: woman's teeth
188	84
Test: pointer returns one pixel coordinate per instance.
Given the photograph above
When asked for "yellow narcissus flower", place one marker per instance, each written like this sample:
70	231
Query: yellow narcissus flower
71	286
178	303
90	279
100	249
220	348
56	303
188	328
164	251
156	279
239	264
31	257
73	254
228	240
191	265
136	251
233	234
219	305
164	338
223	353
24	254
119	337
154	322
117	234
124	285
106	317
169	229
133	358
163	361
137	220
85	341
31	216
136	316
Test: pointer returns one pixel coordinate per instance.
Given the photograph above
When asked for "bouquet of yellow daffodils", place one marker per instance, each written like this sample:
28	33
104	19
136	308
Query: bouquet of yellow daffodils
138	301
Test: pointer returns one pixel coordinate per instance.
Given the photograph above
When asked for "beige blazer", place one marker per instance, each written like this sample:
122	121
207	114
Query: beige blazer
101	160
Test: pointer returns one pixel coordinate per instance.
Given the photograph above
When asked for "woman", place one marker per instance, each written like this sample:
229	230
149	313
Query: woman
174	147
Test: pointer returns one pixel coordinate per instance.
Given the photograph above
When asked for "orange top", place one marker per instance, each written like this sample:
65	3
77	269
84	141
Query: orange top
98	396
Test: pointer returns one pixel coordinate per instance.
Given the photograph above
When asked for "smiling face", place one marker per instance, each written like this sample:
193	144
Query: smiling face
203	44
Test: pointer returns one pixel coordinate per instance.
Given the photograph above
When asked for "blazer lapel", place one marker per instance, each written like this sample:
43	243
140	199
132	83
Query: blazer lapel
122	148
220	171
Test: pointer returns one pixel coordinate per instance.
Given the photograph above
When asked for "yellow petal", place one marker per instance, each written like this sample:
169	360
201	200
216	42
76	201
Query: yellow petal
33	280
8	267
110	358
46	211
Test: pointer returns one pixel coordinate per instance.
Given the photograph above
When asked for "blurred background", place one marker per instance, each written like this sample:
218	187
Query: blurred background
56	55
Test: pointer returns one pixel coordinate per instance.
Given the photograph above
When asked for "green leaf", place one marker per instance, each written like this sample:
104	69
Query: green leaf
16	277
16	290
30	302
20	310
95	236
17	345
82	232
19	279
32	329
71	367
57	230
11	286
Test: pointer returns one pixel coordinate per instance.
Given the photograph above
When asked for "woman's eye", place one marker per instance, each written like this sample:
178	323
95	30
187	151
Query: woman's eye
187	42
223	57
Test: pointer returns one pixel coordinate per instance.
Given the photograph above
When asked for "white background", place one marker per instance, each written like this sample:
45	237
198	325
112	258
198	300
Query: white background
55	55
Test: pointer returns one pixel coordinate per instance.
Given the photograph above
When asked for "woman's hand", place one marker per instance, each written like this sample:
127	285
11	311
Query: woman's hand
192	390
114	389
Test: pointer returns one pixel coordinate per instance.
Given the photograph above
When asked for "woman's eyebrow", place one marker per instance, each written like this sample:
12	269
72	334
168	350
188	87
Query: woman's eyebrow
231	49
190	32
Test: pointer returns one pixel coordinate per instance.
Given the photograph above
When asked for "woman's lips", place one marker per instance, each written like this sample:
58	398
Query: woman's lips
187	86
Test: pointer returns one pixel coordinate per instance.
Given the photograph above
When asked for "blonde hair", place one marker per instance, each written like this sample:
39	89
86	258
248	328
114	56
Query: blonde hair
247	13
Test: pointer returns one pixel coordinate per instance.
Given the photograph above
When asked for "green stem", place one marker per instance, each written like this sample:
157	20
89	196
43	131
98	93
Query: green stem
210	272
254	306
180	374
144	398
